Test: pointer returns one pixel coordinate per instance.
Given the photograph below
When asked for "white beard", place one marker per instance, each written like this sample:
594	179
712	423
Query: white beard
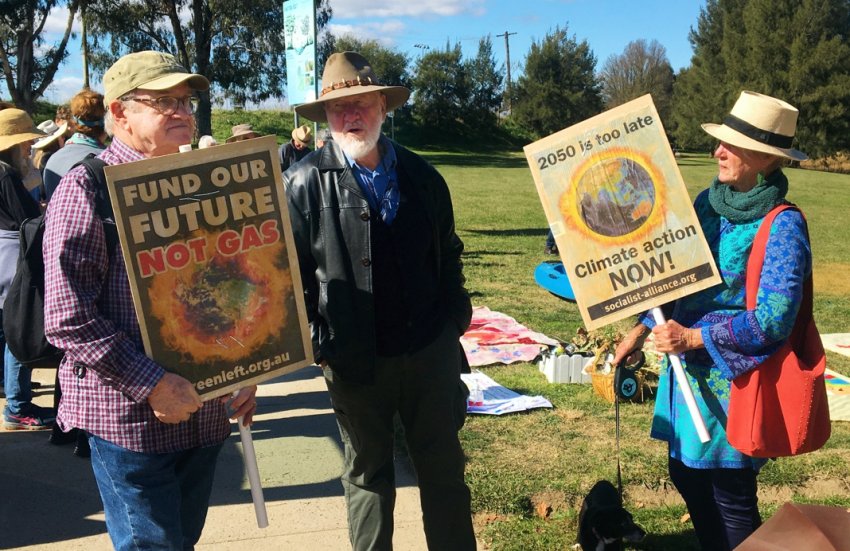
357	148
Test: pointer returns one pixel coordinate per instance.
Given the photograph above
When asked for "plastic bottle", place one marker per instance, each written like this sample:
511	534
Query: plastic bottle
476	395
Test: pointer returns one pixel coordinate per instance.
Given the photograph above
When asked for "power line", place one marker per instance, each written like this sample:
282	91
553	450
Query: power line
506	34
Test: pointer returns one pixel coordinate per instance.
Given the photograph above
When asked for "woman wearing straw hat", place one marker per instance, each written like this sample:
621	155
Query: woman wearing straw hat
17	132
716	335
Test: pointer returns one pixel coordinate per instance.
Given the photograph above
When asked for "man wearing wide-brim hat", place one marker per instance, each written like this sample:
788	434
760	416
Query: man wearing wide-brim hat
241	132
297	148
728	331
153	446
380	263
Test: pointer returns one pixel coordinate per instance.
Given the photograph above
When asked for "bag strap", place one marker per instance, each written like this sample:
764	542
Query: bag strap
756	262
102	203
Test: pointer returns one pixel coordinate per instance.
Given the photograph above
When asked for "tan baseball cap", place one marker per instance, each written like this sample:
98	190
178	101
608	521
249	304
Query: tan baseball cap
149	70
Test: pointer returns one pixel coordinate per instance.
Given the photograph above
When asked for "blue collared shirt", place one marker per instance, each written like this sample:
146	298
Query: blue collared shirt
380	186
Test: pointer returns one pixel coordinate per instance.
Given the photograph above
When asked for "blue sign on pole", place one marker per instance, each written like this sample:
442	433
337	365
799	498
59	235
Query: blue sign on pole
299	27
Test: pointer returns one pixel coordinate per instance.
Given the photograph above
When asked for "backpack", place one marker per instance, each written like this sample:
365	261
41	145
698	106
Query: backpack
23	310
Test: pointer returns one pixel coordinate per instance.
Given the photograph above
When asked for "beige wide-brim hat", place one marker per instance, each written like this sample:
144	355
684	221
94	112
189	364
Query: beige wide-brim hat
241	131
16	127
53	131
303	135
760	123
350	74
149	71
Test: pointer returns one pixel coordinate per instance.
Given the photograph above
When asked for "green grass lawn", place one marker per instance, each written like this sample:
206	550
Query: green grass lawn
547	460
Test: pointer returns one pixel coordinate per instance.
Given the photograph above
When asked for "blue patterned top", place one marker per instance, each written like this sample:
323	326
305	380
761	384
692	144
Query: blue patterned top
736	340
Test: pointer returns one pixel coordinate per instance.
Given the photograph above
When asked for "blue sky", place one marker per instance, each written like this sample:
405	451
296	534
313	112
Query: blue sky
607	25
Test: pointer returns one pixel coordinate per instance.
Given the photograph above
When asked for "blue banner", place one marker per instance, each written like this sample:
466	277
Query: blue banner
299	27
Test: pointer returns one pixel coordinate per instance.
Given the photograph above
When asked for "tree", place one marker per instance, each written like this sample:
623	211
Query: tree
642	68
798	51
238	46
442	88
390	66
559	87
700	92
485	86
22	35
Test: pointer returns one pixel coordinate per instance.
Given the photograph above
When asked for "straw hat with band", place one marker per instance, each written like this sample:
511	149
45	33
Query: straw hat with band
53	131
760	123
150	71
16	127
349	74
244	131
303	135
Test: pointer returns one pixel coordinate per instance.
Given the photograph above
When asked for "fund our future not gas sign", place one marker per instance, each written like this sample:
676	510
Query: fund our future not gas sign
621	215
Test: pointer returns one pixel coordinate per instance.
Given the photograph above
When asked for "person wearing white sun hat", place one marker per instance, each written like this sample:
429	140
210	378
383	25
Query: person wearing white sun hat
716	334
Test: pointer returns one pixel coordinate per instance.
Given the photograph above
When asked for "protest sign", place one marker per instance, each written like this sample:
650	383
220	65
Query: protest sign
211	262
624	224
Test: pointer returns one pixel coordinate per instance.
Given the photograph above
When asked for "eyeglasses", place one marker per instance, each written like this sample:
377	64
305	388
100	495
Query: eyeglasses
168	105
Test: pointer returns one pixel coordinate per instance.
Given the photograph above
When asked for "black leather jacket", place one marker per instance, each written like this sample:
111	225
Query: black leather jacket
330	221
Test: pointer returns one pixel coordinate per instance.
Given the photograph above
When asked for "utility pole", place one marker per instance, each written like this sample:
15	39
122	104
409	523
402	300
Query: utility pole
508	63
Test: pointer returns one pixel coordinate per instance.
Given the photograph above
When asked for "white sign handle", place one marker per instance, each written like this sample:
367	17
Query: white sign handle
691	402
253	473
248	453
250	458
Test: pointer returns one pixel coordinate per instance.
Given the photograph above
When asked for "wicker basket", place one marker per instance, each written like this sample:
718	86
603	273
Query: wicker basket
603	385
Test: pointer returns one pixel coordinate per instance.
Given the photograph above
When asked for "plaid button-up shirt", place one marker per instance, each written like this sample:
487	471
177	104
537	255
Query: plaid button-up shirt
89	313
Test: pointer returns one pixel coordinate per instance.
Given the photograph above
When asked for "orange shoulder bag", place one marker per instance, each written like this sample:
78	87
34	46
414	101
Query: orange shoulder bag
780	407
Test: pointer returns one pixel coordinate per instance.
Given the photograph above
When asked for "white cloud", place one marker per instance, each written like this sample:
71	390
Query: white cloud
348	9
57	21
385	32
63	88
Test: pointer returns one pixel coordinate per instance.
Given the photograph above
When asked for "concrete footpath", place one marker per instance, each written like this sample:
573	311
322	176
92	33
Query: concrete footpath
50	500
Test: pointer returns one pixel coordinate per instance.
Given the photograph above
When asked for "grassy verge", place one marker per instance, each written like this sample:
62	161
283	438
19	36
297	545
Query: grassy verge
529	472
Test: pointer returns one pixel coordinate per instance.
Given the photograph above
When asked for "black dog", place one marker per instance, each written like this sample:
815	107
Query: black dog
603	523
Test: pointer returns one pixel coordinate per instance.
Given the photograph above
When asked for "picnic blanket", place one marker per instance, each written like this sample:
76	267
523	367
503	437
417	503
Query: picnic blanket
838	395
496	399
494	338
837	342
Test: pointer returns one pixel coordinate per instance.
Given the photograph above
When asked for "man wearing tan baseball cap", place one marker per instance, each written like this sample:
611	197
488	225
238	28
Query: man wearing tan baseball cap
154	470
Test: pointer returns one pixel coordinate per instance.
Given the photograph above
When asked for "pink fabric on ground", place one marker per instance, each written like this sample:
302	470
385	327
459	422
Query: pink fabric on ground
494	338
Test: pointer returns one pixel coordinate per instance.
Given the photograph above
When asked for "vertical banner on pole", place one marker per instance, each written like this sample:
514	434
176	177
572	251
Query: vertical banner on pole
299	27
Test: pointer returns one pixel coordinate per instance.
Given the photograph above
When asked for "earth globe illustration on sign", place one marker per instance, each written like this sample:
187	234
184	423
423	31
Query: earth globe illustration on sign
615	196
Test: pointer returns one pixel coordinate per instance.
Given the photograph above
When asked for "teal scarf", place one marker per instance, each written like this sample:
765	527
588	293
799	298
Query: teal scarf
745	206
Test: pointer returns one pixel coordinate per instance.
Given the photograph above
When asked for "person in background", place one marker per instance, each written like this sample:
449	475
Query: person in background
154	442
45	147
17	132
323	138
383	282
206	141
551	247
297	148
241	132
716	336
64	116
88	137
